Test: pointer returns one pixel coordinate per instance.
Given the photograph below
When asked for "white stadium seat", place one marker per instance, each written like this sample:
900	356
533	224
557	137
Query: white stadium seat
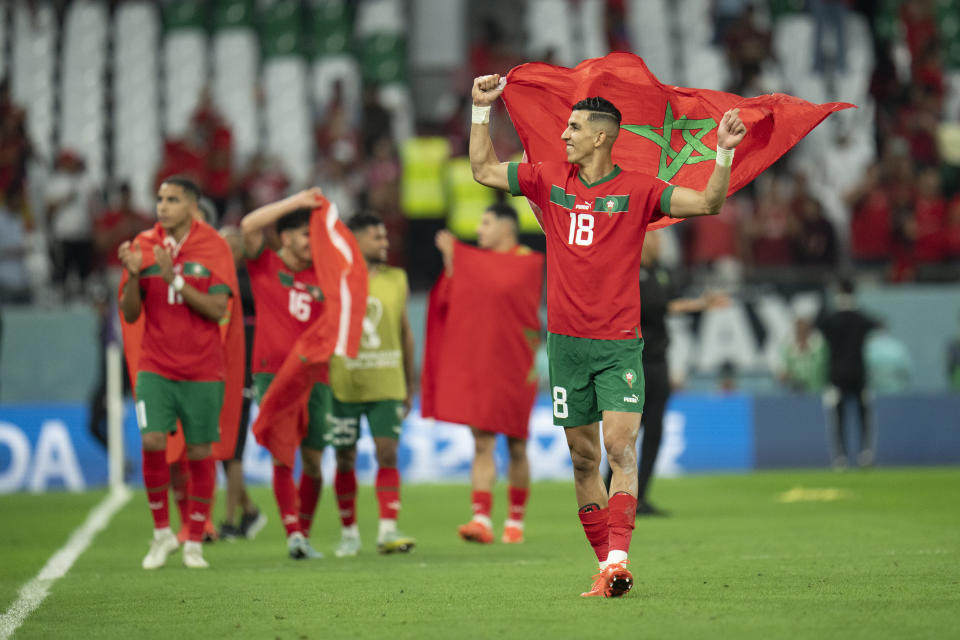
83	66
136	114
287	117
34	39
236	55
185	75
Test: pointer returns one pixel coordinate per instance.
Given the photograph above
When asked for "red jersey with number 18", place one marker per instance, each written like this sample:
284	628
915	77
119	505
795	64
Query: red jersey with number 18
287	302
594	237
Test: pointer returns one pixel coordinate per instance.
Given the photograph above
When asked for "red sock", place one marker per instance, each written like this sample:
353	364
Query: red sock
200	488
345	486
594	521
623	515
518	503
309	496
156	480
286	493
180	477
481	501
388	492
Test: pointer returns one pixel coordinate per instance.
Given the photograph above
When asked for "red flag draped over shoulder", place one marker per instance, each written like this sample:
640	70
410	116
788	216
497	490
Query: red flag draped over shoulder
342	275
483	327
668	132
207	247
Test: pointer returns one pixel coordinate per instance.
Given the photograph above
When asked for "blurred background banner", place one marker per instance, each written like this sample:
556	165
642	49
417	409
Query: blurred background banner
49	447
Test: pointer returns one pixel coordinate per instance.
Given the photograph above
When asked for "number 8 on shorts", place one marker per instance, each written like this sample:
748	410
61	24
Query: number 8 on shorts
560	403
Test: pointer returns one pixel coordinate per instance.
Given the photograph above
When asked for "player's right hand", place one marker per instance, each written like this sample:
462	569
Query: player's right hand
486	89
444	241
308	198
131	257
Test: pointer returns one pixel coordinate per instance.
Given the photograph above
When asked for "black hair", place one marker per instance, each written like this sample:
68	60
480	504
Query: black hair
294	220
189	186
600	108
505	211
362	220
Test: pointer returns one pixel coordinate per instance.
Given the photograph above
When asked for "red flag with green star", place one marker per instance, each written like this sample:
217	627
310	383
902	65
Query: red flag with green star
668	132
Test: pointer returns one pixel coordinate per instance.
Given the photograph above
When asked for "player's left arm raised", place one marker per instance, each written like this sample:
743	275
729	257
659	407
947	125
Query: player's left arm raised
212	306
689	203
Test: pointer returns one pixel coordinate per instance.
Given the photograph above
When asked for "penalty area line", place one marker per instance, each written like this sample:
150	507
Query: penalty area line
33	593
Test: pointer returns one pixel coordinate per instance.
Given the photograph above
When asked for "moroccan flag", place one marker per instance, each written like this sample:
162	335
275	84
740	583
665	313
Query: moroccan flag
207	247
342	276
668	132
483	328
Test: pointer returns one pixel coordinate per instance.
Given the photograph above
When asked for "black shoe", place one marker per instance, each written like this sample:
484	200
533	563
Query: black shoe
229	531
647	509
252	523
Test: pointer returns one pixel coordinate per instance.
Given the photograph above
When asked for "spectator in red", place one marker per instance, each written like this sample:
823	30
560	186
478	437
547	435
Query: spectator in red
15	152
771	229
717	237
263	181
919	23
930	217
117	224
815	242
951	231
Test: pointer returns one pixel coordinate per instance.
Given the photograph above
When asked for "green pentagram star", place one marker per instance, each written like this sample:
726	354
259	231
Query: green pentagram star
694	141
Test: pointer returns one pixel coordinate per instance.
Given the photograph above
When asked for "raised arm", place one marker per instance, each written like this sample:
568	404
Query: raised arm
445	241
487	168
689	203
253	224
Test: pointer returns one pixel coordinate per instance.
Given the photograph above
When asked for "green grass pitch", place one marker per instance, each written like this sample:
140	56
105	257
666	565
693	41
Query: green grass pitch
872	554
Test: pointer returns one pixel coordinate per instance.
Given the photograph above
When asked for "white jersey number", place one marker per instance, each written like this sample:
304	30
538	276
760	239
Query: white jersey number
300	305
581	229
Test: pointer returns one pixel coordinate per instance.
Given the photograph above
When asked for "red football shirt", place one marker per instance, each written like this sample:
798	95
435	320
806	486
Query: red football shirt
179	343
287	302
594	237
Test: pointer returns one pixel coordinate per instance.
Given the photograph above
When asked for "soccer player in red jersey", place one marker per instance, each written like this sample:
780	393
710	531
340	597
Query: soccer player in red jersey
288	300
180	375
594	216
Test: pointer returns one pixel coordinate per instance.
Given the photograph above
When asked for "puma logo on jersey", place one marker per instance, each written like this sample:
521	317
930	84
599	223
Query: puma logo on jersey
582	207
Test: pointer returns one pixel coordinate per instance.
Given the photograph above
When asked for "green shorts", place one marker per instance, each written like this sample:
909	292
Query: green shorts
385	418
591	376
161	402
318	410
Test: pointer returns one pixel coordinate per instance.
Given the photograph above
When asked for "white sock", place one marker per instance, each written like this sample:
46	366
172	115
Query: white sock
615	556
485	520
161	533
514	523
386	527
192	545
351	532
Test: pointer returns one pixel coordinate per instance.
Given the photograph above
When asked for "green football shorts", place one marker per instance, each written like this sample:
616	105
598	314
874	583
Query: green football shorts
589	376
318	410
385	418
161	402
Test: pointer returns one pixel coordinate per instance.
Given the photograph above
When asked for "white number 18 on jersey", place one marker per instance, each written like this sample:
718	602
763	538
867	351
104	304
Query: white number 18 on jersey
581	229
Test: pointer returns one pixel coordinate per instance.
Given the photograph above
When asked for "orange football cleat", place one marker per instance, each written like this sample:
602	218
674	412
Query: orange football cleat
599	588
512	535
619	579
476	531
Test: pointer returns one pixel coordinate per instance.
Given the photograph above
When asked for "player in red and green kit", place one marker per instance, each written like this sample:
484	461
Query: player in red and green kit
288	300
181	368
594	216
376	384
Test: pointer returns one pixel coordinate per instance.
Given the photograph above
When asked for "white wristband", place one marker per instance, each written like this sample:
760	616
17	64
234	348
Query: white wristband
178	283
481	115
724	157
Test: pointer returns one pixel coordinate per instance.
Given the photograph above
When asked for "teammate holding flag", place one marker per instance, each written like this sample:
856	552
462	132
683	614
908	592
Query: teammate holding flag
288	299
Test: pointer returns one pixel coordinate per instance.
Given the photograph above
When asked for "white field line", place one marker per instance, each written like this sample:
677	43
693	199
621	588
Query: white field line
34	592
